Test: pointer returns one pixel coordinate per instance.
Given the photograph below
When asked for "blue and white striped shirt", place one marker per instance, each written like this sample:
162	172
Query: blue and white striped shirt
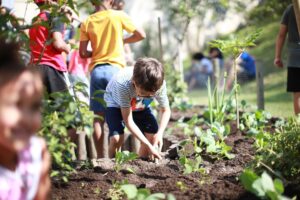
120	93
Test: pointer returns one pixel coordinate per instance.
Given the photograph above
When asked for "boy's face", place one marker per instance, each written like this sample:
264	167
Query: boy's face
143	93
27	106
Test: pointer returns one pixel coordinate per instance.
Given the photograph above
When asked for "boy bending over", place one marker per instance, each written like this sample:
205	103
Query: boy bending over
128	96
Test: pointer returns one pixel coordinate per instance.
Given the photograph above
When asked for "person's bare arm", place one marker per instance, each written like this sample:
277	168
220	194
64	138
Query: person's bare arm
279	45
83	51
132	127
59	43
136	36
165	114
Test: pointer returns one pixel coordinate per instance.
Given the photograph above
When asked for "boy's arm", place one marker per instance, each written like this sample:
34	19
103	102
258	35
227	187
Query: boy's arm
136	36
132	127
59	43
83	52
279	45
165	114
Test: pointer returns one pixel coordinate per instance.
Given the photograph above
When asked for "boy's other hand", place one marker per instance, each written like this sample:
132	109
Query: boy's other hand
278	62
154	151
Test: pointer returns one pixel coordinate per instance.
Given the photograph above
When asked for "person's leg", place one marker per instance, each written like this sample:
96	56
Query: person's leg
116	127
100	76
296	102
293	85
115	144
98	135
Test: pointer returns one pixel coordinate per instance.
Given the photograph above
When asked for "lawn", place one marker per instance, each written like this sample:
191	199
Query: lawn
277	101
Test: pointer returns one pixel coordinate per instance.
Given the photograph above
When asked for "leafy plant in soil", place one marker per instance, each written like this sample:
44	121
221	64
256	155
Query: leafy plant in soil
263	186
191	164
236	47
122	157
281	150
62	111
131	192
254	122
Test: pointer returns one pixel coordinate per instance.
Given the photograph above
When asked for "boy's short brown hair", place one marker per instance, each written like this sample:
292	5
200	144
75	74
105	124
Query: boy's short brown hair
148	74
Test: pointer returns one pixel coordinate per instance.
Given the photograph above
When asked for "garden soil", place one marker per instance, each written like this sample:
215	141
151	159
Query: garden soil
219	182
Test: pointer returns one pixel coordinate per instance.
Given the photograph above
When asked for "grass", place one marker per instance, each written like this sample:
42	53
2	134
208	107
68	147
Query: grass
277	101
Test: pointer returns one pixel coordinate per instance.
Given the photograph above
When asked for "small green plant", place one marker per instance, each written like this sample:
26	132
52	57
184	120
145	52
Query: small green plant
182	187
190	165
122	157
236	47
213	140
115	193
131	192
254	122
280	151
263	186
97	191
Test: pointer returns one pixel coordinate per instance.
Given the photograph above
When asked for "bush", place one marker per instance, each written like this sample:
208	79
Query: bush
281	150
60	115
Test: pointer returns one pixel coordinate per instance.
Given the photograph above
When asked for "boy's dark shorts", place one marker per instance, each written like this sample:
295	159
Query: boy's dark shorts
53	80
293	79
145	120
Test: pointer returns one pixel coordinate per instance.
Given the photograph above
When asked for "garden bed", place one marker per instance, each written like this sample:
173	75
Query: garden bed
219	182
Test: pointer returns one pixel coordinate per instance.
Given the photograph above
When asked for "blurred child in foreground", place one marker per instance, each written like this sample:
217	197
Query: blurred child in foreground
24	159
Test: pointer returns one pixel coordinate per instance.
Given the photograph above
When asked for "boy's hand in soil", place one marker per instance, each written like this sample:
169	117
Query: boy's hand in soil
154	152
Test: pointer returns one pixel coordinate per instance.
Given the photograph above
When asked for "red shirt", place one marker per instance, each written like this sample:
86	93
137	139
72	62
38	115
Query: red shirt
39	36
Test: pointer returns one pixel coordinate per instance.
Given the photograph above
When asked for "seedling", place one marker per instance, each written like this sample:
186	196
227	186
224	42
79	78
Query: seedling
131	192
182	187
236	47
124	157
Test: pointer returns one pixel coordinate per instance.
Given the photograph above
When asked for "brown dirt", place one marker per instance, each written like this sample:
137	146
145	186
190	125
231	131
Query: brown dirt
221	181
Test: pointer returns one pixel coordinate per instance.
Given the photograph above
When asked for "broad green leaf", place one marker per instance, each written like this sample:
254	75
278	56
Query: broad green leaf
258	188
247	178
130	190
267	182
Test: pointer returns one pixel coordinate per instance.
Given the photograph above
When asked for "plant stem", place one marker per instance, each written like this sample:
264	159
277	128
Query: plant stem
236	94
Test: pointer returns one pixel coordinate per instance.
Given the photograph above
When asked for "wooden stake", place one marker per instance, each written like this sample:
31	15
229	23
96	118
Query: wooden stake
160	42
260	99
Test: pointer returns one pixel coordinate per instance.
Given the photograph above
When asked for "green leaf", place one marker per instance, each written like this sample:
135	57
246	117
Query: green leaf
143	193
278	186
156	196
247	178
258	188
171	197
267	182
130	190
130	170
188	169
